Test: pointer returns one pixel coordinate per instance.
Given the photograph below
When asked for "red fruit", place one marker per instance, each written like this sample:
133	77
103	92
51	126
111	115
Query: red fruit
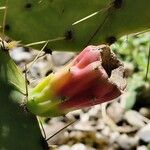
96	76
93	77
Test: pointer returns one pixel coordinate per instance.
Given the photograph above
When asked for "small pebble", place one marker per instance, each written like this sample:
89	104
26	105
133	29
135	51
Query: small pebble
142	148
106	131
64	147
134	118
19	54
113	137
115	112
144	133
127	142
78	146
61	58
145	112
83	126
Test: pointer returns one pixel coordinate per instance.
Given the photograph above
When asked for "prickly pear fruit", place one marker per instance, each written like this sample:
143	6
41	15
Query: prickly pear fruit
93	77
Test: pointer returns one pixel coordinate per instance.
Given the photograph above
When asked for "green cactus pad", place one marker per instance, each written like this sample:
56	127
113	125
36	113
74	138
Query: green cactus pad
19	130
57	21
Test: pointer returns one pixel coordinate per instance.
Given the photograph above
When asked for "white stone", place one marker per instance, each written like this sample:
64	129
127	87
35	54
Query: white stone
144	133
134	118
143	147
127	142
113	137
64	147
61	58
18	54
78	146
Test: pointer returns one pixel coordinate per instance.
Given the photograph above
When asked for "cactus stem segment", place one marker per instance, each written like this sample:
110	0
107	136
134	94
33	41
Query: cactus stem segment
42	20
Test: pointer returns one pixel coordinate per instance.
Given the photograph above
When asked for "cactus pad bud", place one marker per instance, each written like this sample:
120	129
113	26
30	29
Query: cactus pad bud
93	77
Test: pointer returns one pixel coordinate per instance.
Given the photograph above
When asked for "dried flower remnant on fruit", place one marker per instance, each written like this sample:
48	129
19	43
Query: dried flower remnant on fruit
93	77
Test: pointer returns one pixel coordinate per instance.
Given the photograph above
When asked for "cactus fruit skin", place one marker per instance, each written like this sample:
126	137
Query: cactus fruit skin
34	21
93	77
19	129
